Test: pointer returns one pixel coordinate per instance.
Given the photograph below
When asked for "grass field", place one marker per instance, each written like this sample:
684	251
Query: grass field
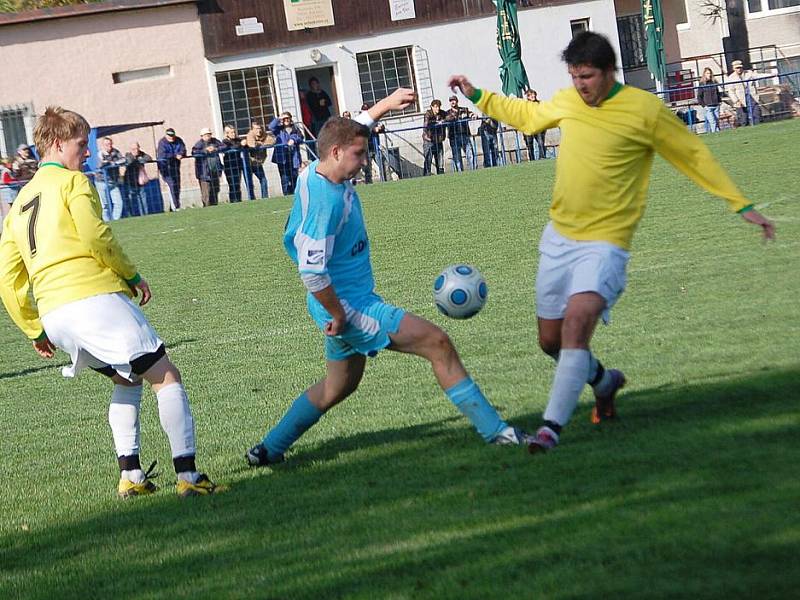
692	493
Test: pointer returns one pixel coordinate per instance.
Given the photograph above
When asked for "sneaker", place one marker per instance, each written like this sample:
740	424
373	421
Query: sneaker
604	405
544	440
512	436
258	456
128	489
202	487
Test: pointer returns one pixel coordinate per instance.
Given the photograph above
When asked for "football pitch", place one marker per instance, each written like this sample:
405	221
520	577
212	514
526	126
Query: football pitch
692	493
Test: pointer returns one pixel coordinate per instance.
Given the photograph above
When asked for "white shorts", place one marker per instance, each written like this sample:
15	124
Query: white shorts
100	332
568	267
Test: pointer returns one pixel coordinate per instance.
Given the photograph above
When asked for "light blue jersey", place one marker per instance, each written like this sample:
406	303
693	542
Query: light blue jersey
326	236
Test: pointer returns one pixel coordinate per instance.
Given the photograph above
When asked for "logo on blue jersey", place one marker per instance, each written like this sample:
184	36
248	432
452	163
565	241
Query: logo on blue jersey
315	257
358	247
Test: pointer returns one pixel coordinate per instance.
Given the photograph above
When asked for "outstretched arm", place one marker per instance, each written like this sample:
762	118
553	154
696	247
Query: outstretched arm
398	100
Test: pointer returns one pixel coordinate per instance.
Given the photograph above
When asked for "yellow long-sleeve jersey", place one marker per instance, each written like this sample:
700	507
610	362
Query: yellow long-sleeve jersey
55	239
606	154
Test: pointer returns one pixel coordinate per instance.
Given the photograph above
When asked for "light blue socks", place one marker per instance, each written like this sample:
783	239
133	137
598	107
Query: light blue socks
471	402
300	417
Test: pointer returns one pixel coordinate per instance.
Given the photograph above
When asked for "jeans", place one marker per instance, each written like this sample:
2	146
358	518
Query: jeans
233	175
712	118
174	185
433	151
110	199
258	170
536	141
463	143
489	146
137	200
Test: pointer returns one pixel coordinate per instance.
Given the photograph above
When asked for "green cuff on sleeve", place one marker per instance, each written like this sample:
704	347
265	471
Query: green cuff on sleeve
40	337
476	96
134	280
747	208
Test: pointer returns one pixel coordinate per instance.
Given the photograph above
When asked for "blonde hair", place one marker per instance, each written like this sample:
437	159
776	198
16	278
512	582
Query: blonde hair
58	123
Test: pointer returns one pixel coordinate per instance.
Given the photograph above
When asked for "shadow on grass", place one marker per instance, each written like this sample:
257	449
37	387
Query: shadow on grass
692	493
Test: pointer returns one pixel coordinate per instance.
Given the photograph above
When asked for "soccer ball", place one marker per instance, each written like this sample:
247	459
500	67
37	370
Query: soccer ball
460	291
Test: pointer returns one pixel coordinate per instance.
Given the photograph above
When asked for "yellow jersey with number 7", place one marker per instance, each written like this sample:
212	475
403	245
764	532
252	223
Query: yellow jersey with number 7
55	240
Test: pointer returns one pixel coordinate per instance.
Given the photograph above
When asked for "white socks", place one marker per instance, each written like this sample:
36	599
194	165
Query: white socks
123	416
572	373
176	419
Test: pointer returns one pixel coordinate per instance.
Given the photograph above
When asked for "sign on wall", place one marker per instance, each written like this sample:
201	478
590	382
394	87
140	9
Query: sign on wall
307	14
249	26
402	9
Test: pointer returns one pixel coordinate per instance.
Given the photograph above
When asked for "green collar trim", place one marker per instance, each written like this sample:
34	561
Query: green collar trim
52	164
615	89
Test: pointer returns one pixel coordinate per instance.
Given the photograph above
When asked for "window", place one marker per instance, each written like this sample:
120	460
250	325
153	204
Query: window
150	73
12	129
790	65
246	95
579	26
383	71
631	41
764	7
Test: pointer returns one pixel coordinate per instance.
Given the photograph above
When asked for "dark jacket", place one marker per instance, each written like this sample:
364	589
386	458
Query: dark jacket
319	103
488	127
133	165
434	130
708	94
207	165
283	153
168	165
458	120
232	155
108	169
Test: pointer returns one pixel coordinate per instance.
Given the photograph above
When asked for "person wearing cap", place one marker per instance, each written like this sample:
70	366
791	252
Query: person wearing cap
207	166
433	134
24	165
459	134
743	95
171	150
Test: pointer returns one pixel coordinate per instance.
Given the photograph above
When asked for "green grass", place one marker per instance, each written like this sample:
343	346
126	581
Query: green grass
692	493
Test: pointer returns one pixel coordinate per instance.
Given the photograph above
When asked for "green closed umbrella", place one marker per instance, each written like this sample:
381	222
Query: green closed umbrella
512	71
653	19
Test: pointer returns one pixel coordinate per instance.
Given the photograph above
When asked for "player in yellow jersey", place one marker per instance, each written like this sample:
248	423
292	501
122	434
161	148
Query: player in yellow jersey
56	243
609	134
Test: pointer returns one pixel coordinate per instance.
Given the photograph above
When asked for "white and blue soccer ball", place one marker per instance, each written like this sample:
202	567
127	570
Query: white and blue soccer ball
460	291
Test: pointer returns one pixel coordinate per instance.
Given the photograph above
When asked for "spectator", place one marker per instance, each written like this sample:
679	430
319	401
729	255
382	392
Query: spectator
433	134
207	167
459	134
305	111
107	180
233	163
136	178
9	188
488	132
24	165
319	103
743	94
287	150
374	148
537	138
169	154
257	142
708	97
346	114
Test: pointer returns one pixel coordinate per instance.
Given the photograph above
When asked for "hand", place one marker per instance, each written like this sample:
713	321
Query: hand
461	83
179	156
290	142
398	100
756	218
335	326
144	288
44	348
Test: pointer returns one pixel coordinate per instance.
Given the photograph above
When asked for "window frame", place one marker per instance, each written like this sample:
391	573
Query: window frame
766	11
247	74
379	56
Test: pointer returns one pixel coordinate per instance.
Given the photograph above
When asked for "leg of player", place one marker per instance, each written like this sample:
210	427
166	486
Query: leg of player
423	338
123	417
575	364
605	382
176	421
341	380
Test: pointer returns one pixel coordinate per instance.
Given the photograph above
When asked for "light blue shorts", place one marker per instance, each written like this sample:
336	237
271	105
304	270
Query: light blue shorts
370	321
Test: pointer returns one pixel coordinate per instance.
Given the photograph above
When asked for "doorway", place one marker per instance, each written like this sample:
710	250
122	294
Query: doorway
327	83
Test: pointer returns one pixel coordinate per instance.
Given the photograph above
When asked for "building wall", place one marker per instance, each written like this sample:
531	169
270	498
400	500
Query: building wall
70	62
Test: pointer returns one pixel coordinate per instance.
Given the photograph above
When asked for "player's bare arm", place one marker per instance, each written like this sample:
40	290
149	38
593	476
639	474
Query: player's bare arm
44	347
143	287
398	100
330	301
756	218
461	83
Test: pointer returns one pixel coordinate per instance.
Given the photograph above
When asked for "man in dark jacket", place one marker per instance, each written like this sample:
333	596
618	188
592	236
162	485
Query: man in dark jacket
433	135
207	166
286	154
319	103
135	179
169	154
233	162
459	134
